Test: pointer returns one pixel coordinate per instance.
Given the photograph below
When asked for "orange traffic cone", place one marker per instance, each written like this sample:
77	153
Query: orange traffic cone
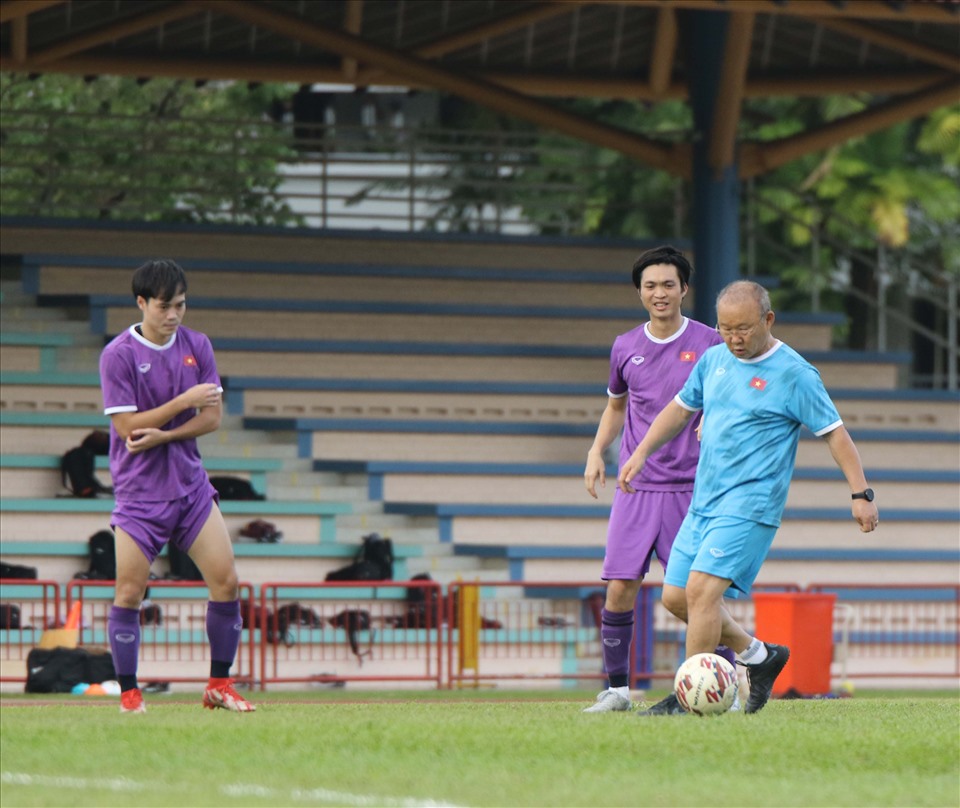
66	637
73	619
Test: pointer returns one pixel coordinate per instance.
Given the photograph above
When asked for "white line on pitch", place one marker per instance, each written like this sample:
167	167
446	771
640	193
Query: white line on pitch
275	795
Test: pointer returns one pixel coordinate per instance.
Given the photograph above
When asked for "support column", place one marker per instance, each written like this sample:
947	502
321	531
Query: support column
716	193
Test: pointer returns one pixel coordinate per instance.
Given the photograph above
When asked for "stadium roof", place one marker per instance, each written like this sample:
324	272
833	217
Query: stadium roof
516	56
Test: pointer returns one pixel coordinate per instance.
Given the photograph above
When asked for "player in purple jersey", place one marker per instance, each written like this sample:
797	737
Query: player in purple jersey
161	391
648	366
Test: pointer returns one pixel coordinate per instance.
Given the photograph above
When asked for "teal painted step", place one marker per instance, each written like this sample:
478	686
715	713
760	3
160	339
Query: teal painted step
54	379
41	340
258	507
241	550
45	461
325	511
54	419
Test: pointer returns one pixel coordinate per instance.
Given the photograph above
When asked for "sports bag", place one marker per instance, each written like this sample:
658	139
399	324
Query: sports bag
58	670
373	562
353	621
234	488
9	616
77	466
103	558
18	572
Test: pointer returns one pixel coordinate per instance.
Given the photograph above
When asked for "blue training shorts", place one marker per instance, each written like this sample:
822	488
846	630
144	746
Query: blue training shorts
152	524
724	546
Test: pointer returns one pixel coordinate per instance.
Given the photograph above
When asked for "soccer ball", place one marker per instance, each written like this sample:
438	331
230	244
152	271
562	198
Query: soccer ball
706	684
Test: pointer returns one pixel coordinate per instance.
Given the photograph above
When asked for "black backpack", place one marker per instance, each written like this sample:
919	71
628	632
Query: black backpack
17	572
77	466
234	488
373	562
103	557
9	615
58	670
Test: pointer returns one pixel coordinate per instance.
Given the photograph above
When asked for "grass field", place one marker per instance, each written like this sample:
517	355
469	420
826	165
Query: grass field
490	748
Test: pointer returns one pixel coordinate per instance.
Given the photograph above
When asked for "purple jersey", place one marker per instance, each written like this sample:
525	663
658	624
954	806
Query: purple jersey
136	375
651	372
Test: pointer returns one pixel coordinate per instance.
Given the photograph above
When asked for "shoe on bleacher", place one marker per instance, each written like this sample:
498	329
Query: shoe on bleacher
609	701
761	677
131	701
668	706
220	694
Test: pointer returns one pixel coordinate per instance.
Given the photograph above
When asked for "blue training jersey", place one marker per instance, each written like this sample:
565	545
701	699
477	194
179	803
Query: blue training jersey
752	413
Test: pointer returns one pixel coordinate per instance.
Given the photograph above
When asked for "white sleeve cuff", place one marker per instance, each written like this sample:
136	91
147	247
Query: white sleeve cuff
827	429
680	402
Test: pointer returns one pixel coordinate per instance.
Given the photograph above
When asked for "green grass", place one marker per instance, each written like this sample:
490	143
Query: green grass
484	748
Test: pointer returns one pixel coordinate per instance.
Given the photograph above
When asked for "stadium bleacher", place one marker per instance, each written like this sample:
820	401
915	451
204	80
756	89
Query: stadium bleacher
446	404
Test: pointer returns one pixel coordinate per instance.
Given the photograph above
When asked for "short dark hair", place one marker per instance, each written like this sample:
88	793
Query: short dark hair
663	255
162	278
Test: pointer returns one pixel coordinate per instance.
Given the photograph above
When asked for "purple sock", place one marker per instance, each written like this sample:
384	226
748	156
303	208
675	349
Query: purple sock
616	632
223	631
727	653
123	630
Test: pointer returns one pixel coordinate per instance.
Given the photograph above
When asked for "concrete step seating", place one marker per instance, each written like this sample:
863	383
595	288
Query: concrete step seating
459	400
60	560
301	522
462	323
71	280
525	442
38	475
562	484
426	365
798	566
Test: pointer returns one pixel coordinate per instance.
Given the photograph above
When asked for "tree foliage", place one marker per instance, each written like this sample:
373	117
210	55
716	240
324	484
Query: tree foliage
164	149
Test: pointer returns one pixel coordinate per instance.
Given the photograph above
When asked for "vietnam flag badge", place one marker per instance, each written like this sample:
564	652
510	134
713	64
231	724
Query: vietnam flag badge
688	356
758	384
189	361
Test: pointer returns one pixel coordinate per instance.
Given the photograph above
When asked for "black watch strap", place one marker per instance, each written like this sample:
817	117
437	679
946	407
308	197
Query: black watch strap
866	494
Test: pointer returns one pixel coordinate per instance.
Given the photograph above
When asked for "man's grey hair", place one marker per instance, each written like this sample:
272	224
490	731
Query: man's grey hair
746	290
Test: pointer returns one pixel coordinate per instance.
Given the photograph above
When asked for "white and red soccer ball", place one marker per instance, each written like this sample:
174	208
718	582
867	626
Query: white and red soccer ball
706	684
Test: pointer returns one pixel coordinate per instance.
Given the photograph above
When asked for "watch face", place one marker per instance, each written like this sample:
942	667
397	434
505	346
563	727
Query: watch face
866	494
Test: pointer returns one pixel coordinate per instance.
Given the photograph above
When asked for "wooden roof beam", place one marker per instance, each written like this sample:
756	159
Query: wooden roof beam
18	39
855	9
411	68
352	23
664	52
894	42
18	9
493	28
535	84
475	35
758	158
117	30
730	90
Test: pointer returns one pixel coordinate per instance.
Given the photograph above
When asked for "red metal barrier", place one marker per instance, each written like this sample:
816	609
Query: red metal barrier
38	608
329	633
518	633
173	642
895	631
524	632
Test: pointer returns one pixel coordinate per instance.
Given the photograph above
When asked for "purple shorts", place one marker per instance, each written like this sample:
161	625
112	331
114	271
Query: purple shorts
641	524
152	524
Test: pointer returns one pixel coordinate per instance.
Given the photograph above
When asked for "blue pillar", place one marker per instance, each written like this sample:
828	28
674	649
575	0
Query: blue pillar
716	197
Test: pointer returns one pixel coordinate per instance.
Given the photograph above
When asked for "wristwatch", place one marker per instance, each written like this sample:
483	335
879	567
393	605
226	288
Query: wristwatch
866	494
